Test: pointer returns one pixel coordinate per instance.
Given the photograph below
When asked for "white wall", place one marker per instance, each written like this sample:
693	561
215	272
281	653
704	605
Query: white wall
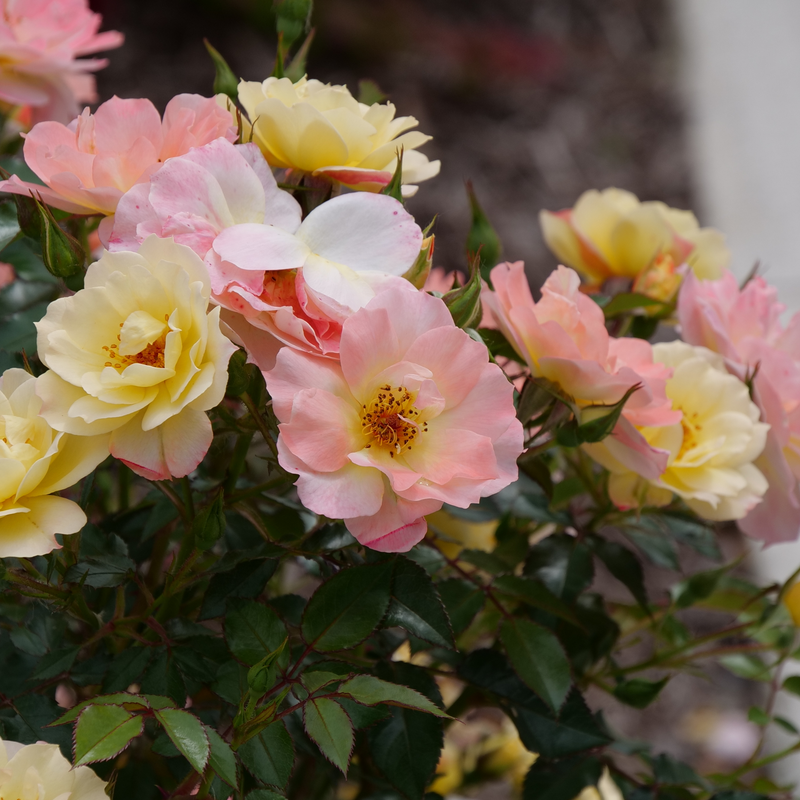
740	74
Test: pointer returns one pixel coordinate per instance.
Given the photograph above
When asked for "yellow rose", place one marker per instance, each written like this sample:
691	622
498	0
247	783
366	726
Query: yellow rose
40	772
606	789
711	450
454	534
36	461
322	129
449	771
792	602
137	354
610	234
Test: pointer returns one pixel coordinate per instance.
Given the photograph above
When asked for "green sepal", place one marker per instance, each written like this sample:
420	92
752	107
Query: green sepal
209	525
225	81
464	302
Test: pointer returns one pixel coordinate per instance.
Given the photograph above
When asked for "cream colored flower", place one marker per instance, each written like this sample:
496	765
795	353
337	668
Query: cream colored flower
40	772
137	354
454	534
711	450
322	129
36	461
610	234
606	789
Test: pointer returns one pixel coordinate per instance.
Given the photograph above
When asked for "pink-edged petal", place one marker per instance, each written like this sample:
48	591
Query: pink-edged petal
777	517
365	232
324	429
450	355
260	247
173	449
134	215
31	532
587	379
118	123
281	209
232	177
376	337
365	180
439	455
294	372
351	491
14	185
396	527
633	451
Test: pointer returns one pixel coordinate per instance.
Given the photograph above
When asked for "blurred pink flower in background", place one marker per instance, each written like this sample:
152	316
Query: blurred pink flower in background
563	339
285	281
414	416
89	164
40	41
744	326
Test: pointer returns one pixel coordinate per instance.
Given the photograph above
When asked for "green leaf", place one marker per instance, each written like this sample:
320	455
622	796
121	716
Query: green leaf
269	755
639	693
9	225
28	641
792	684
657	547
562	564
316	680
187	734
103	732
758	716
348	607
405	747
224	80
691	532
696	587
221	759
415	605
500	346
670	771
622	303
370	691
242	580
17	331
541	731
535	594
561	780
101	572
264	794
329	727
538	658
463	600
252	630
132	701
624	566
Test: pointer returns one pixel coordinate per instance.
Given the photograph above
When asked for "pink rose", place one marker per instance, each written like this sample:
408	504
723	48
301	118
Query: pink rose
744	326
89	164
282	281
40	41
563	338
412	417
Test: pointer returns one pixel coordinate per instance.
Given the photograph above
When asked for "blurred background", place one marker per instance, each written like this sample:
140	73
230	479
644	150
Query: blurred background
535	101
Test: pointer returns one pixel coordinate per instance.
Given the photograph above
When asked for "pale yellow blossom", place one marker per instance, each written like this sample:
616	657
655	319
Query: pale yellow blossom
322	129
711	450
137	354
35	462
40	772
611	234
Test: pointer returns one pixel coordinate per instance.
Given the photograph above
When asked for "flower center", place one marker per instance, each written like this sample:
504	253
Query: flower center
690	431
390	420
152	355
